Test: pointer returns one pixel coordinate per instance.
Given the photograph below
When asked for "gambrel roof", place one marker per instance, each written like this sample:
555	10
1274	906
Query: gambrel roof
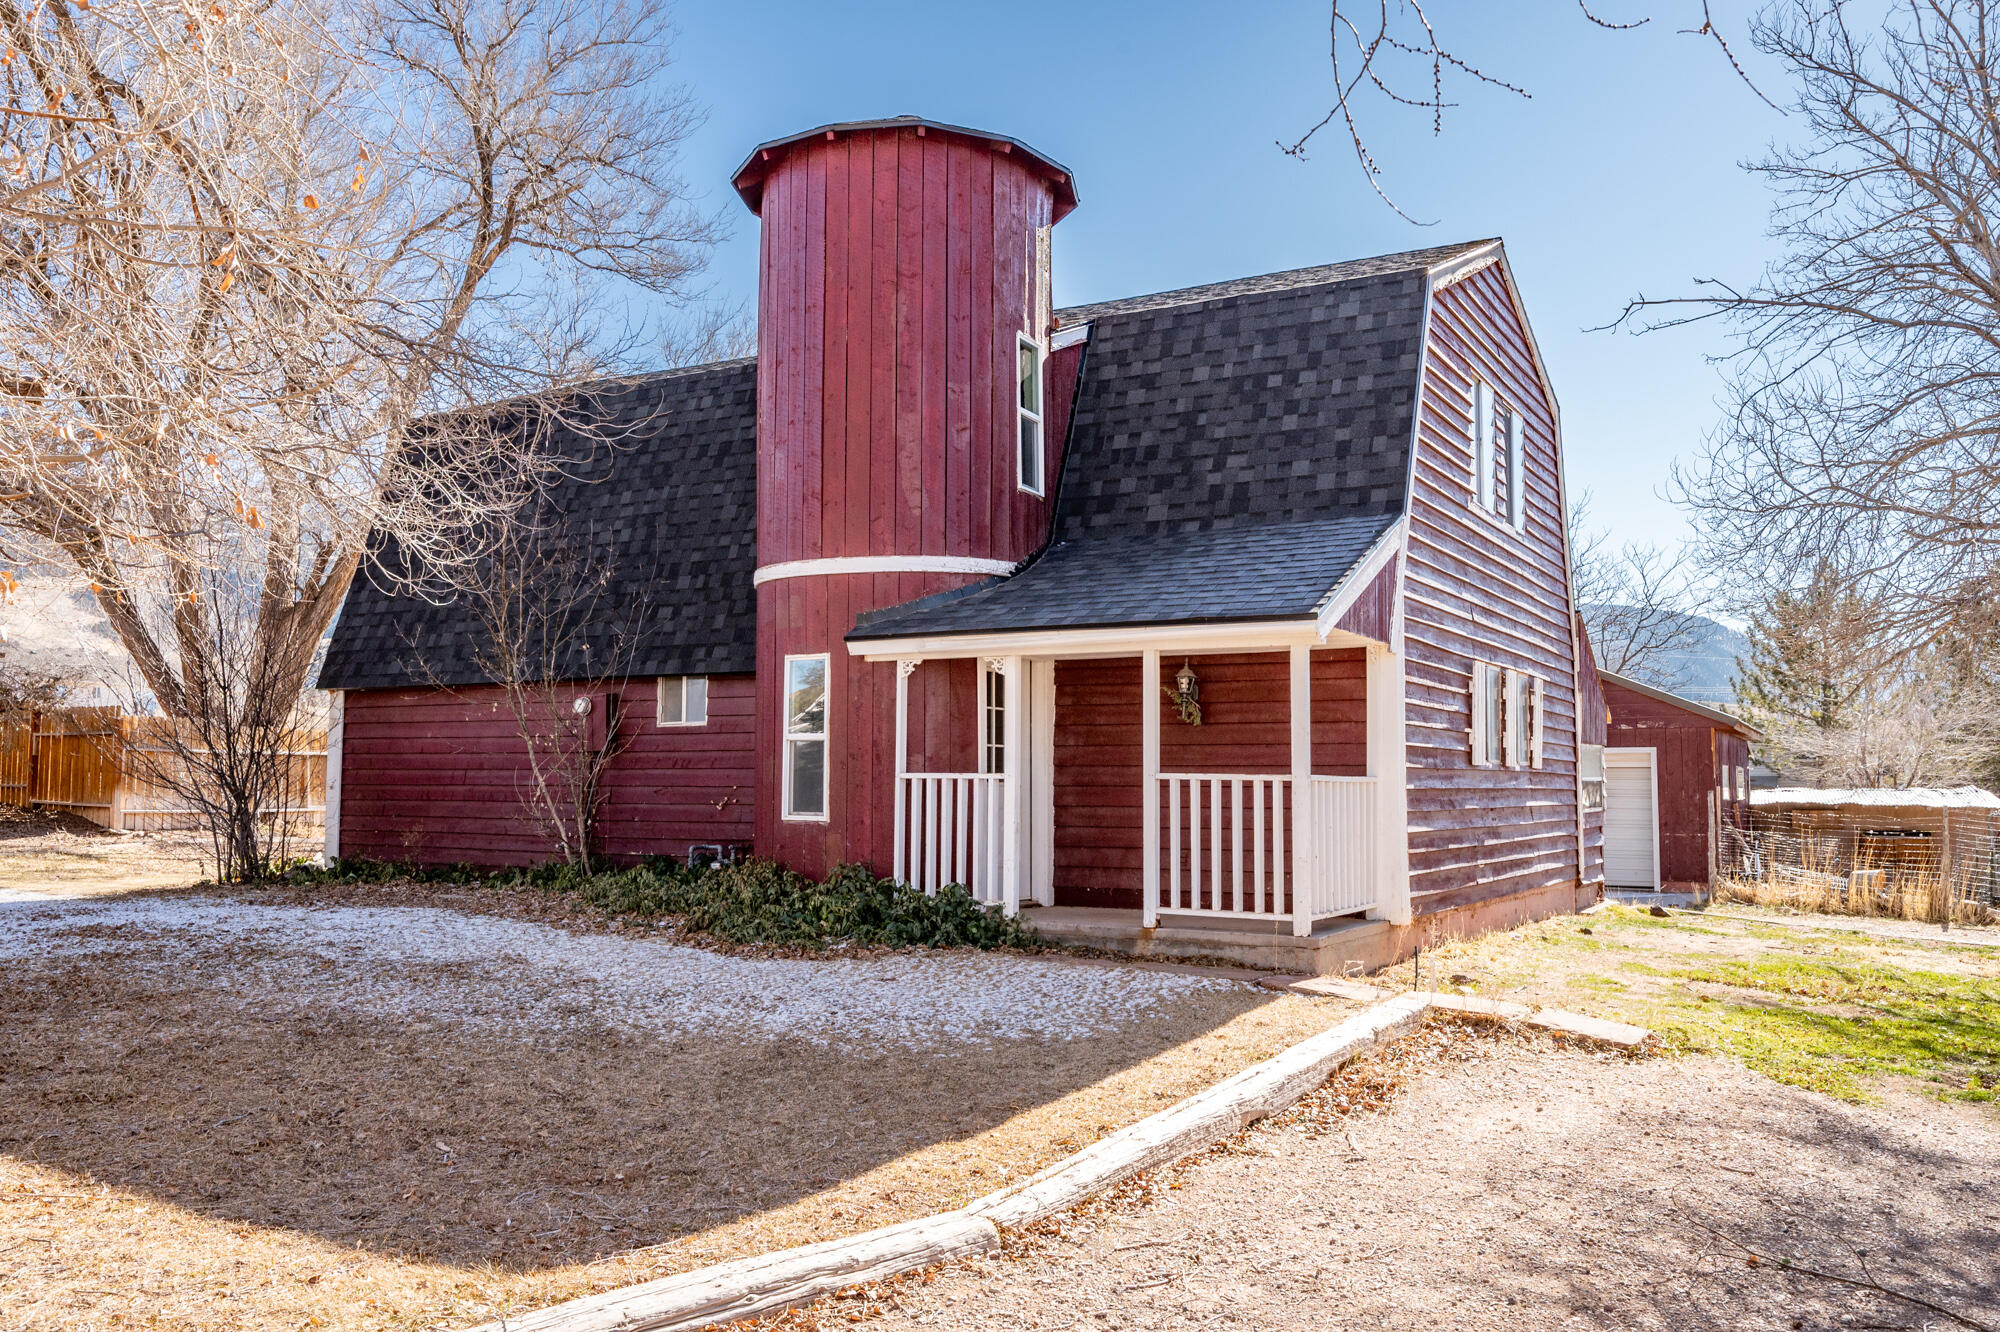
1233	453
668	507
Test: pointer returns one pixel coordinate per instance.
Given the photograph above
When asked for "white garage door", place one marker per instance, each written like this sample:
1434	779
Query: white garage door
1629	819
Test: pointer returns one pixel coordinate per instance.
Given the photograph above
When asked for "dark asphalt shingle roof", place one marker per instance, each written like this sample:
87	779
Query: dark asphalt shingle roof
1260	572
669	510
1235	449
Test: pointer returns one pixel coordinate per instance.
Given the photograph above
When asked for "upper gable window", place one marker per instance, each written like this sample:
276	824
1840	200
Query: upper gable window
1030	461
1499	458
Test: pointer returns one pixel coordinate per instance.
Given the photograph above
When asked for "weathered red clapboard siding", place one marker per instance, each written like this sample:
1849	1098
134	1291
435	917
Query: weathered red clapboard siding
1374	610
1692	752
442	777
1476	590
1246	728
896	272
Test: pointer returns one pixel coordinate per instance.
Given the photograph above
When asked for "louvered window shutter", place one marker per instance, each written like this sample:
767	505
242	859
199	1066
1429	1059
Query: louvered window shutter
1517	469
1482	445
1535	731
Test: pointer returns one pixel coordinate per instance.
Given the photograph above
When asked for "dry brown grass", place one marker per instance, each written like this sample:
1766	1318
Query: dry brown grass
1930	897
175	1162
53	853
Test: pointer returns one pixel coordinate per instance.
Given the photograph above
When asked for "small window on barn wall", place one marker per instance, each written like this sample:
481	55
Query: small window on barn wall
1482	445
1031	414
805	737
1742	782
1590	774
1517	494
1537	688
682	701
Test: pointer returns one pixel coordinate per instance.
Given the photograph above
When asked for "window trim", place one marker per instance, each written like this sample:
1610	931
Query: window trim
660	701
992	721
787	738
1482	446
1039	416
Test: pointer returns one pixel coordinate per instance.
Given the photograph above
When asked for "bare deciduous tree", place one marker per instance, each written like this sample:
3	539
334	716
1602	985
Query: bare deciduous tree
1644	606
245	251
1866	422
1391	50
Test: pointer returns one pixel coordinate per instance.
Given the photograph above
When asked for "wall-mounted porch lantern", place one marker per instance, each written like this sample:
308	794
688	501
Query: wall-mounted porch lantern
1186	694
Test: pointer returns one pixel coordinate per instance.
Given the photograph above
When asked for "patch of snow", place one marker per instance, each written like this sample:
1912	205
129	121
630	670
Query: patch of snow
411	964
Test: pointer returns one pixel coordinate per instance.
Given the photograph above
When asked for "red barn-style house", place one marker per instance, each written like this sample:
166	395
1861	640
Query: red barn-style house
1234	619
1677	782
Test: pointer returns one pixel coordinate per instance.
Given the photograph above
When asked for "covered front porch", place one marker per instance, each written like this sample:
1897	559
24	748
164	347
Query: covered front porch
1217	783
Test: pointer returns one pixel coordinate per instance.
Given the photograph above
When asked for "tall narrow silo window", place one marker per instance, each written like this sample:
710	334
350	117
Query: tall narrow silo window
1031	415
805	737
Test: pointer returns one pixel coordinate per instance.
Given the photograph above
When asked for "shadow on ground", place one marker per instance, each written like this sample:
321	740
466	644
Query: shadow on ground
426	1140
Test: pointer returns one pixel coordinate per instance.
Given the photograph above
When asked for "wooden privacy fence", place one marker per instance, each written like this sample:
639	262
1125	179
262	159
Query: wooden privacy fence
106	767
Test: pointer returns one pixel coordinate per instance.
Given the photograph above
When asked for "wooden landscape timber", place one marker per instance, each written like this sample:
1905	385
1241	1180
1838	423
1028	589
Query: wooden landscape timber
751	1287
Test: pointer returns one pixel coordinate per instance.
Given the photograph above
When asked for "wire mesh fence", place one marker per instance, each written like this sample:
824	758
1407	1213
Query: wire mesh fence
1846	863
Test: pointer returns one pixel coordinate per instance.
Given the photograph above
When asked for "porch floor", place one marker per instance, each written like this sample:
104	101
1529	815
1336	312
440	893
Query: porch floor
1329	950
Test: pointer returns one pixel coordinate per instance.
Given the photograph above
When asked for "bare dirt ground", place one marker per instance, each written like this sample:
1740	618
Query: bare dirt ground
224	1113
47	853
1512	1186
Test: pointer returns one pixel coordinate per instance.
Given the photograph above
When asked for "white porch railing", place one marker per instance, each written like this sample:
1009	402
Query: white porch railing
1232	846
949	830
1226	853
1342	875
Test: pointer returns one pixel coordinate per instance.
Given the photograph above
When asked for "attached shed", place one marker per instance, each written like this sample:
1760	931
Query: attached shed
1910	833
1677	776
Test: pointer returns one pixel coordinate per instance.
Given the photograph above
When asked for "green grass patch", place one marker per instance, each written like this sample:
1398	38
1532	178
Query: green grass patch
1835	1024
757	902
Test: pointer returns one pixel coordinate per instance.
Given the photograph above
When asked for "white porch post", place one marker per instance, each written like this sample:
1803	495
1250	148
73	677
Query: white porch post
1013	795
1149	783
1388	764
1305	833
336	736
901	794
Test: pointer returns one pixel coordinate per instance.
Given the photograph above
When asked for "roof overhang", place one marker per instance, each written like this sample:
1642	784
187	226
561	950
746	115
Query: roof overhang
749	178
1112	641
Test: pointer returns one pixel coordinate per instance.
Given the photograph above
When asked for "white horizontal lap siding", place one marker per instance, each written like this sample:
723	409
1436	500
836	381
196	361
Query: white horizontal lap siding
1478	590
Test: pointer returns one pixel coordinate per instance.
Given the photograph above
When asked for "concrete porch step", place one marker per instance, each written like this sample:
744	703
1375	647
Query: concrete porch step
1335	946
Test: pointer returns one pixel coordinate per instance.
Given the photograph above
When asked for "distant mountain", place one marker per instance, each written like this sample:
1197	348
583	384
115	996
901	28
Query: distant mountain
1703	672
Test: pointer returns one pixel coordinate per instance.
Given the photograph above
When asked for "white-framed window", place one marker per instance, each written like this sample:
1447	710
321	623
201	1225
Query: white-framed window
992	721
1482	445
805	737
1590	774
1508	707
1742	782
1488	719
1031	453
1517	719
682	701
1517	468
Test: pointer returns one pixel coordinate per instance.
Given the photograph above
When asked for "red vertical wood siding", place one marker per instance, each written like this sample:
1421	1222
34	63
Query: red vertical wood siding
1692	754
1246	728
895	281
442	777
1374	610
1476	590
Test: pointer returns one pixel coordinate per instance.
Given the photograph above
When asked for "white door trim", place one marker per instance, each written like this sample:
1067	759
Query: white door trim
1630	756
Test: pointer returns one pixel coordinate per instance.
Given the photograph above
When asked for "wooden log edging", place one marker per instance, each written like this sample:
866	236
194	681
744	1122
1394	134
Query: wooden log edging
766	1283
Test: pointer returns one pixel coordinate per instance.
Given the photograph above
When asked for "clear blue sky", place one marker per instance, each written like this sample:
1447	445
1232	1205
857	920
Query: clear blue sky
1620	176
